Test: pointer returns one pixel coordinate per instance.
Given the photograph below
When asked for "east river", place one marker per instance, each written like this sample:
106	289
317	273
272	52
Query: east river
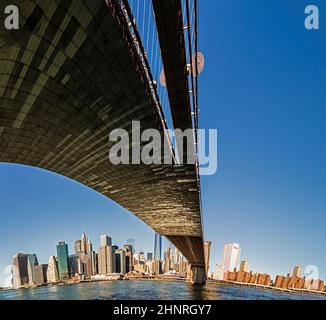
147	290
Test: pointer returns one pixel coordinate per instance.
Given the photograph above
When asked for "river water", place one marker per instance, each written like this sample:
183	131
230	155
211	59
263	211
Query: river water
147	290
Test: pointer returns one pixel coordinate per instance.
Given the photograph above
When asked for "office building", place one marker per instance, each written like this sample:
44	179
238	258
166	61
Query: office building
120	261
90	264
52	271
157	267
19	270
297	271
63	264
106	240
86	245
231	256
158	246
106	260
217	272
132	243
129	257
168	257
31	263
40	272
141	255
207	255
78	246
74	264
244	266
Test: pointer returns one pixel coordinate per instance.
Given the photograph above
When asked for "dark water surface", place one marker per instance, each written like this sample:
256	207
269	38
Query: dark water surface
148	290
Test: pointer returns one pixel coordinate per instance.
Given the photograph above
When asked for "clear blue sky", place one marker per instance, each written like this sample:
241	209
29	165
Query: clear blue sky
263	88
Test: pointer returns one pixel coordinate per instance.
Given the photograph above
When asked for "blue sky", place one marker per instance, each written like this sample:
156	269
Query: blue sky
263	88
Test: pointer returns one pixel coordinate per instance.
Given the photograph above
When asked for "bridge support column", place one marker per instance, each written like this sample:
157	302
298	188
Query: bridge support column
196	274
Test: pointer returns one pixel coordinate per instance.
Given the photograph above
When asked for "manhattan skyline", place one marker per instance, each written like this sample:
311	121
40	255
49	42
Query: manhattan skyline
262	88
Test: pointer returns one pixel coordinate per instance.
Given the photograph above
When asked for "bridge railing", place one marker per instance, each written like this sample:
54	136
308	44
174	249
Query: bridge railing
143	23
144	20
125	15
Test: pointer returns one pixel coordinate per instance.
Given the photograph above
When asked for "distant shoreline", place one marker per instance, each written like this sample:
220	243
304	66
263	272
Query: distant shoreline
270	288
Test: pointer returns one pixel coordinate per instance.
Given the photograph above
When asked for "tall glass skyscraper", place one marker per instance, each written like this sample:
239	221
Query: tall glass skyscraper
158	246
63	265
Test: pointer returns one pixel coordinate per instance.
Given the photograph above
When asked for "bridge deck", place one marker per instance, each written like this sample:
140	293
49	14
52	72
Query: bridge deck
69	78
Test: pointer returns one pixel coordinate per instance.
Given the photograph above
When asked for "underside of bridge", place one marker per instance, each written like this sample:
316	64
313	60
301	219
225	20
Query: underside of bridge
69	77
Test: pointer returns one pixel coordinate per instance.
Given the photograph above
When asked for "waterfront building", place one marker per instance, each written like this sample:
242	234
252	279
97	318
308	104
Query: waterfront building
289	282
141	267
19	270
63	264
158	246
40	272
295	282
52	271
314	284
31	263
231	255
297	272
244	266
120	261
207	254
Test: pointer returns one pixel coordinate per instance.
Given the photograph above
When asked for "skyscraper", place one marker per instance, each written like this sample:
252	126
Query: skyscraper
168	260
129	257
141	255
231	255
52	271
78	246
217	272
40	272
106	260
120	261
157	246
19	270
106	240
297	271
74	264
31	263
207	253
90	263
63	264
244	266
132	243
106	256
86	245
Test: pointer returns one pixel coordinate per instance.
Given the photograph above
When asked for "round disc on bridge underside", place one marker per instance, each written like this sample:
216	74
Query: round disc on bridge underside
198	59
162	78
